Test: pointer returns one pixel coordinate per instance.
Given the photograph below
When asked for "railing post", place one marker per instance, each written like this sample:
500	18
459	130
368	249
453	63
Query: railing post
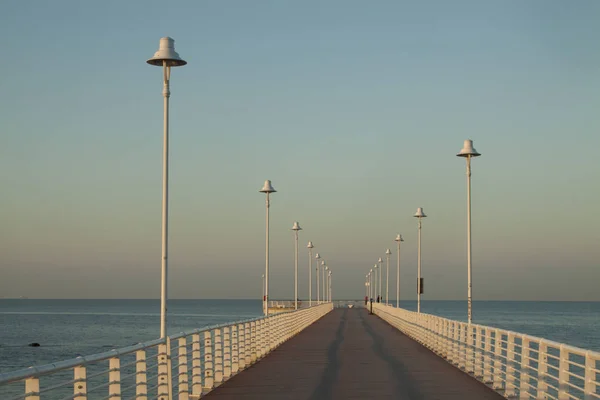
226	354
524	388
182	369
32	388
590	376
114	378
456	343
218	357
253	342
498	346
487	357
208	361
478	352
268	334
196	366
247	344
141	375
79	383
542	387
563	374
241	347
235	359
510	365
163	371
470	353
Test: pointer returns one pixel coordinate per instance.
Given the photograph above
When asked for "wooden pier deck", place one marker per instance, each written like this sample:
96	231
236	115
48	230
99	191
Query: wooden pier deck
349	354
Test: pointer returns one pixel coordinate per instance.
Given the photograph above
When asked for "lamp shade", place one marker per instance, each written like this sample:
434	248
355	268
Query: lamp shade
166	52
399	238
267	188
296	226
420	213
468	150
310	245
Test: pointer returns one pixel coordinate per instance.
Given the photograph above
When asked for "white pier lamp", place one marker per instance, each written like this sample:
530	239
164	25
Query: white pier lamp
468	152
420	215
166	57
398	240
376	282
380	262
296	228
317	258
310	246
267	189
387	277
323	268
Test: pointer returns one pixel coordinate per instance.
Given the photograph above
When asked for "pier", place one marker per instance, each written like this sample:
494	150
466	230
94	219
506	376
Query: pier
327	351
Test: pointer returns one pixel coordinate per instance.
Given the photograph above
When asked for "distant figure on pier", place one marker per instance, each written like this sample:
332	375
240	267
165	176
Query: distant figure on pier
366	300
378	299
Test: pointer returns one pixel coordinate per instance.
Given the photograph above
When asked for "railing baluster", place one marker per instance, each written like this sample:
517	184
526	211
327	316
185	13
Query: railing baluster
590	376
80	383
32	388
141	377
498	347
542	387
478	353
183	386
226	354
487	357
235	360
563	374
247	344
163	372
218	357
253	342
242	346
524	387
510	363
208	361
114	378
196	366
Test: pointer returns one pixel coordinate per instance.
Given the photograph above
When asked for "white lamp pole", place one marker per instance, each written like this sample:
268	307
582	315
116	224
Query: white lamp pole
310	246
420	215
317	257
296	228
376	282
387	278
267	189
398	240
330	293
371	284
166	57
380	262
323	266
326	280
262	279
468	152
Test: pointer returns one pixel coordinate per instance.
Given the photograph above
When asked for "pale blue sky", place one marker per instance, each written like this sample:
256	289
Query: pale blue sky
354	109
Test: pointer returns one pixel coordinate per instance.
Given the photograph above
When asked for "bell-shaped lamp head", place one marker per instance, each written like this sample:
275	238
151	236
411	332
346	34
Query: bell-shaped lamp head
323	262
296	226
309	245
388	252
468	150
267	188
420	213
399	238
375	266
317	256
166	52
380	260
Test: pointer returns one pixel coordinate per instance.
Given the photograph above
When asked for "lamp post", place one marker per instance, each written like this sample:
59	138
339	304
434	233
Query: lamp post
469	152
420	215
326	280
310	246
329	291
376	282
398	240
317	257
296	228
371	284
387	277
267	189
367	285
262	279
323	267
380	262
166	57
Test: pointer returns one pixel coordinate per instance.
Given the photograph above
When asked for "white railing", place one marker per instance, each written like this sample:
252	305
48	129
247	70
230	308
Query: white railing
182	366
514	364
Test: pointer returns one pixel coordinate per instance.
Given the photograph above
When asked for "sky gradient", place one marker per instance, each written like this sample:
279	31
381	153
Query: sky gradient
355	110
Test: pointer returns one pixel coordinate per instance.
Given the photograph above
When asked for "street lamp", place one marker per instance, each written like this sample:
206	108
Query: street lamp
468	152
329	292
326	283
387	277
296	228
376	282
166	57
263	286
420	215
310	246
267	189
380	262
398	240
323	267
371	284
317	257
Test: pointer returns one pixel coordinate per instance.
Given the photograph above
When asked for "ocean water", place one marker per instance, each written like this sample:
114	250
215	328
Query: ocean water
68	328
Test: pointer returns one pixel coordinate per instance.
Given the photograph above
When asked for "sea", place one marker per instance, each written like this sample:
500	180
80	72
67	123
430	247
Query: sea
69	328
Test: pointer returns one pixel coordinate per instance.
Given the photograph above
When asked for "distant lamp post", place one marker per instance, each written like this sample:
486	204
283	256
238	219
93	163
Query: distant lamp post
317	258
323	268
380	262
310	246
371	284
469	152
398	240
376	282
387	278
263	286
267	189
420	215
330	287
166	57
296	228
326	281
